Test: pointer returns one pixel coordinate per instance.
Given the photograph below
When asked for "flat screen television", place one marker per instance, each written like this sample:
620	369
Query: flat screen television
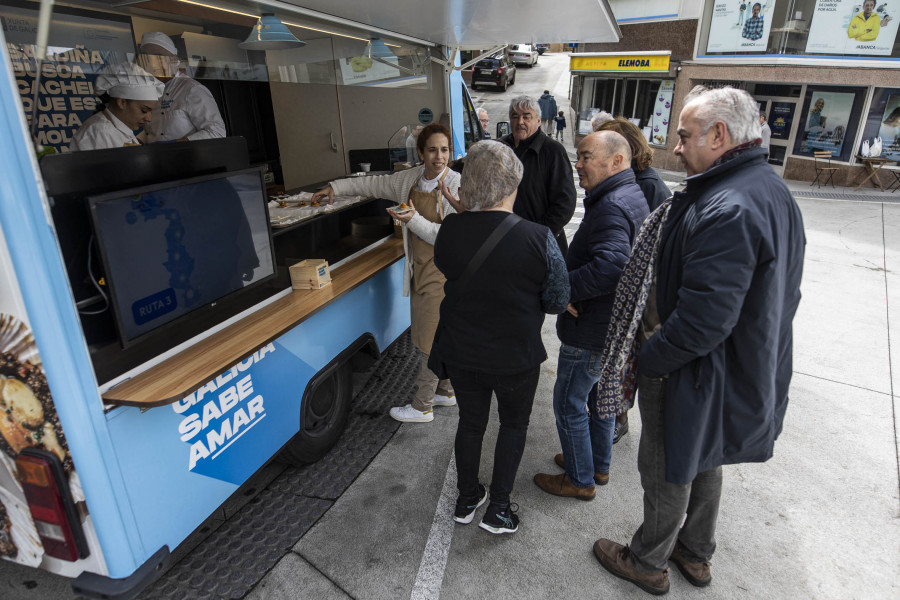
172	249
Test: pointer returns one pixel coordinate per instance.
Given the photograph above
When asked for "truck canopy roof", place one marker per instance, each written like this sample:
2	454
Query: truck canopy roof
460	24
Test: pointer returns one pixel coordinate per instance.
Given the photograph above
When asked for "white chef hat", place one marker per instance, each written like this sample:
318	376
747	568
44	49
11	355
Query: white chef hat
157	38
128	81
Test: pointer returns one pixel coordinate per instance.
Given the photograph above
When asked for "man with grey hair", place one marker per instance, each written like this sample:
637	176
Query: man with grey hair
485	121
600	118
503	274
714	339
614	208
547	192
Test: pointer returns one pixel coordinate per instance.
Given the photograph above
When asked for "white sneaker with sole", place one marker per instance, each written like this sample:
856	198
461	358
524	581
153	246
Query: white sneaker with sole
441	400
407	414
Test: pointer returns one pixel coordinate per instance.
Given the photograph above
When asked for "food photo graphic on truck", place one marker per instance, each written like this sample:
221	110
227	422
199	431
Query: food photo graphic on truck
160	166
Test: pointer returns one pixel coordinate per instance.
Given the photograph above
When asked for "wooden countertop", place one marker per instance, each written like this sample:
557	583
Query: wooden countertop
185	372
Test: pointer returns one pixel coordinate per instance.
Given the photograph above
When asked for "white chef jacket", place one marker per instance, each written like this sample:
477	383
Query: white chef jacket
102	130
186	109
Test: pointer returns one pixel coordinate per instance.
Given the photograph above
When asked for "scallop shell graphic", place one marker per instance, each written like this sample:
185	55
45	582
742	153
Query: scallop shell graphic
19	540
16	338
27	415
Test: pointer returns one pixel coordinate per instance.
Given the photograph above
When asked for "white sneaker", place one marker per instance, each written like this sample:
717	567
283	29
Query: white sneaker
407	414
441	400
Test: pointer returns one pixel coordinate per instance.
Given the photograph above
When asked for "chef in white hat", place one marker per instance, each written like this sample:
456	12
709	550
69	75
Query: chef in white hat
187	110
130	95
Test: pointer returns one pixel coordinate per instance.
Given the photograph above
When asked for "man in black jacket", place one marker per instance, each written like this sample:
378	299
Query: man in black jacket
614	209
715	366
547	192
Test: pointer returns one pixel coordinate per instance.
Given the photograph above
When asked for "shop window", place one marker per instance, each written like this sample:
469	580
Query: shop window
645	102
849	28
829	121
883	121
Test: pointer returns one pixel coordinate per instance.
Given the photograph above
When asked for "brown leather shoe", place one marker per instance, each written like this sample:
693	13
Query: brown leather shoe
697	573
599	478
559	485
616	559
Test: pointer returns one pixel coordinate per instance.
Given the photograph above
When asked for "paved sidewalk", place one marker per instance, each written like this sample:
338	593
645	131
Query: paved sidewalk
819	520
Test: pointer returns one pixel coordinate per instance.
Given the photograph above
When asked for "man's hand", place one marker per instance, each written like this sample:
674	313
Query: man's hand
571	310
325	192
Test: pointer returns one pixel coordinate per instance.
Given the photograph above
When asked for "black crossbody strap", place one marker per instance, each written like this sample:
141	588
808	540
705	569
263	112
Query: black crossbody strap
489	244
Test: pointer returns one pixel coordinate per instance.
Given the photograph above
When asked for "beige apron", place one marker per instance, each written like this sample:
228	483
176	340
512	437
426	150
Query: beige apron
427	288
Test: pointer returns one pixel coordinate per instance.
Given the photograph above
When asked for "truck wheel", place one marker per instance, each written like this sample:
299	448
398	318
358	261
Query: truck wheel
505	84
323	416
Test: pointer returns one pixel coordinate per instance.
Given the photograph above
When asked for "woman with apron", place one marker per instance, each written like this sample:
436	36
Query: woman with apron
420	188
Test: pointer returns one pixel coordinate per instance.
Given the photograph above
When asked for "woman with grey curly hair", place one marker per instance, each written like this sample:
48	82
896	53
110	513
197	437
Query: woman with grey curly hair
489	335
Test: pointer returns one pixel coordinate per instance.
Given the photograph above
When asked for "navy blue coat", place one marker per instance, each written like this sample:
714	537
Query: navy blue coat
613	213
728	286
654	188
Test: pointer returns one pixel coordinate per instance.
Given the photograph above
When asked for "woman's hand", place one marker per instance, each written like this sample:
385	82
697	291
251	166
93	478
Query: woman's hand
405	217
325	192
453	200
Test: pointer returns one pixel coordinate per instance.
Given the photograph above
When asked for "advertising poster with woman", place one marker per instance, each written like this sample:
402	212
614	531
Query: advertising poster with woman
862	27
740	26
826	122
889	131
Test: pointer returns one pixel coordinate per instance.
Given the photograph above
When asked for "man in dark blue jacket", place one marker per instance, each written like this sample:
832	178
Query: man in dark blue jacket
614	209
715	366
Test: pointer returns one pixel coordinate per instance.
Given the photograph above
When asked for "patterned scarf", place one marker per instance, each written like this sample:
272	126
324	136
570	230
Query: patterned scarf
614	392
618	369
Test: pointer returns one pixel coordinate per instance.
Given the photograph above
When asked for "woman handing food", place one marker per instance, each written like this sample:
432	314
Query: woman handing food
420	189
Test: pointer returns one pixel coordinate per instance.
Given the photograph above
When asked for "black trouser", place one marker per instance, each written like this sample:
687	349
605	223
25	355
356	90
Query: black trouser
515	397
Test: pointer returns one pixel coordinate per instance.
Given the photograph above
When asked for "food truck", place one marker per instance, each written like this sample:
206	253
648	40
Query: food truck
154	353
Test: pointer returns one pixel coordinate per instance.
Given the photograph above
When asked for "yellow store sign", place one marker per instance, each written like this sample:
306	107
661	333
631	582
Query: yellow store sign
645	63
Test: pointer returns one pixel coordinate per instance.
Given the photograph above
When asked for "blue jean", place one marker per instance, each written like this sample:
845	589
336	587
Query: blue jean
586	439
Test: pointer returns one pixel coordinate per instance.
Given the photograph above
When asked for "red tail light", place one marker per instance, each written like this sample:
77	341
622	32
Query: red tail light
44	483
500	71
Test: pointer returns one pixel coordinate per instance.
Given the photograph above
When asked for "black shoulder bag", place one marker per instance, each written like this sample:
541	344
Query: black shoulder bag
436	365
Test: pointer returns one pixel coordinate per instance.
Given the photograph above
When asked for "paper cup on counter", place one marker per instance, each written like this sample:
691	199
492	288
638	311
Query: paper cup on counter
366	167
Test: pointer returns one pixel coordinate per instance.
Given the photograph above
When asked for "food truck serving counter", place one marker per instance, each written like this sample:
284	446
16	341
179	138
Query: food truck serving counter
153	355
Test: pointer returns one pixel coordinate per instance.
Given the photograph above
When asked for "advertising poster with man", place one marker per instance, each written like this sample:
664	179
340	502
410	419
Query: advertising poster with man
826	122
740	26
862	27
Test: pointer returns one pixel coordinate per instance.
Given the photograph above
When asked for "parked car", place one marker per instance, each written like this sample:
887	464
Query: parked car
541	48
523	54
496	71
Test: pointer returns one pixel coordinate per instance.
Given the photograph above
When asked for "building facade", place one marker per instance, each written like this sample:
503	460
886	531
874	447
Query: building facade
825	72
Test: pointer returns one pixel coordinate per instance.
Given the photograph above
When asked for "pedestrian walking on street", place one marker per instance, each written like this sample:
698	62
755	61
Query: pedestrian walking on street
548	111
614	209
711	290
560	126
503	274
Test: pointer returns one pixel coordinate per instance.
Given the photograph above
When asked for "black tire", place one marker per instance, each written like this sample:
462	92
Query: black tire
505	84
323	417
